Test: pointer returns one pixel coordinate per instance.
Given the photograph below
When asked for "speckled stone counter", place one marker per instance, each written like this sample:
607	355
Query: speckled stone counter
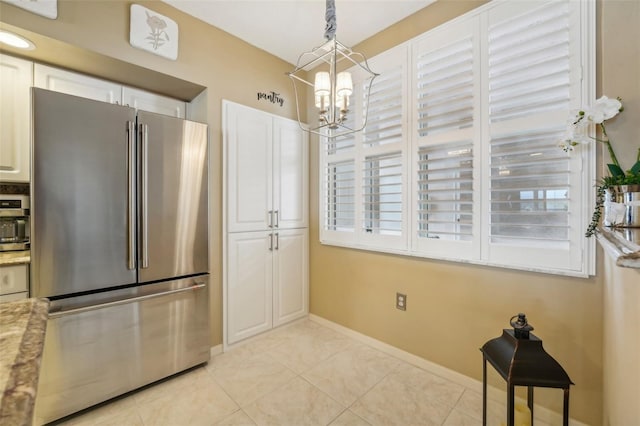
15	257
622	244
22	328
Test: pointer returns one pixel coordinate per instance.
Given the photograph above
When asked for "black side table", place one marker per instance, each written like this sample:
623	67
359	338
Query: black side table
523	362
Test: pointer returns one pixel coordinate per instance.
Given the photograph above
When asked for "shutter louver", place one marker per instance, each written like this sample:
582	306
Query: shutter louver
529	63
529	188
382	194
384	117
445	88
445	191
340	196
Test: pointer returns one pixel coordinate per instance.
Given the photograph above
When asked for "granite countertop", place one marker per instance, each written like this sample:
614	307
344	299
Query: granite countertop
22	328
14	257
623	244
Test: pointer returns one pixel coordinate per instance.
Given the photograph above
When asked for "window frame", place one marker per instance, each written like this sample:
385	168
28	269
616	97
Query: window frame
580	255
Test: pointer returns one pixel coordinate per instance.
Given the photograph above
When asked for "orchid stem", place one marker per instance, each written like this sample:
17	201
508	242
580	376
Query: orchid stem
614	159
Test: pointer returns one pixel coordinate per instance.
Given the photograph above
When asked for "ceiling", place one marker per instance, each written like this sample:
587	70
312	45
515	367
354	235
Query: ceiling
287	28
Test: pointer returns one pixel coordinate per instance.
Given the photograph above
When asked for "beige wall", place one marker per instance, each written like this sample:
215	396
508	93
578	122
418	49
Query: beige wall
453	308
619	69
226	66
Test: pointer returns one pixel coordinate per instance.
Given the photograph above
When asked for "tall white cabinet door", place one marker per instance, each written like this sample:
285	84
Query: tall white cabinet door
290	275
16	77
290	174
249	168
145	101
250	286
76	84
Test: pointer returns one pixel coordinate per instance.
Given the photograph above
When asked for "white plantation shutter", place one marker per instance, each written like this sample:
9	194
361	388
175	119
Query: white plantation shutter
384	118
447	130
535	199
382	194
364	197
445	87
529	63
445	192
339	196
530	188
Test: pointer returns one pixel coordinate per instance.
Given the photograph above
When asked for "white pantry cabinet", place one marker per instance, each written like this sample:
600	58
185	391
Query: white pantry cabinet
267	171
16	76
84	86
267	276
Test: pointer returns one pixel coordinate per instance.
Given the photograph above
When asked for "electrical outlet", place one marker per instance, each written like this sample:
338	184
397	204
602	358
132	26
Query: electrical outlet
401	301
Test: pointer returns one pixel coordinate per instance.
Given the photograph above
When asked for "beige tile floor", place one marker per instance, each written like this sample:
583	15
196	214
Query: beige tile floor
302	374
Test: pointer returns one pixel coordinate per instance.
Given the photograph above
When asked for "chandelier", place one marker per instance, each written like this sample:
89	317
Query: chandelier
333	87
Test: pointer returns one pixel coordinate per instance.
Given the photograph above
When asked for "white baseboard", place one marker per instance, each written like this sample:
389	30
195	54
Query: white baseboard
215	350
541	413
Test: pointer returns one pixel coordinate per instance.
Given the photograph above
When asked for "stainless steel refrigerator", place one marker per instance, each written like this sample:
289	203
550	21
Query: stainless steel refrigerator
119	244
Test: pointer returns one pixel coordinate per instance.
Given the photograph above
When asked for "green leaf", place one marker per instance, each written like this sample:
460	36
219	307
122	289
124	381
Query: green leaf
615	170
636	168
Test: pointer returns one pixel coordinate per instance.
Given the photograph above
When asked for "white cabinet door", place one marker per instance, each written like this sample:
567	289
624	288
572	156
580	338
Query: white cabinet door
290	275
16	78
248	142
146	101
14	279
249	284
290	174
76	84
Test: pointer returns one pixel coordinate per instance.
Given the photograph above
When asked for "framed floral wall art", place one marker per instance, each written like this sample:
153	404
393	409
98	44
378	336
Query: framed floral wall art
46	8
153	32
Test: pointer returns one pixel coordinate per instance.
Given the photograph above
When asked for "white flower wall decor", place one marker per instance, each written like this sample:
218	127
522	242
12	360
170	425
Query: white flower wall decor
153	32
46	8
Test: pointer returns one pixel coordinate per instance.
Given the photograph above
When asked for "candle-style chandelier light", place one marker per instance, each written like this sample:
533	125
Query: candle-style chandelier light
333	86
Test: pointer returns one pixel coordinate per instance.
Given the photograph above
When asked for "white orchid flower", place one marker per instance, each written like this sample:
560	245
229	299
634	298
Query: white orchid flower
603	109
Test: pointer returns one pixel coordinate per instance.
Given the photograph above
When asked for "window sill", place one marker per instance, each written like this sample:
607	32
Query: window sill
622	244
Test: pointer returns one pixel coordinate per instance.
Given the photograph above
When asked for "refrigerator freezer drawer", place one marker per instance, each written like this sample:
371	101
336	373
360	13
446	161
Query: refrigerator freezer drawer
94	352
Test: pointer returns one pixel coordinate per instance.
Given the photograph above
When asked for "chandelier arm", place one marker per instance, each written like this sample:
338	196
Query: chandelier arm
330	17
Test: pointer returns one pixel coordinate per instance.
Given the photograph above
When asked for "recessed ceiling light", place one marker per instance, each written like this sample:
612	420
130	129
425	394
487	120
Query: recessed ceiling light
15	40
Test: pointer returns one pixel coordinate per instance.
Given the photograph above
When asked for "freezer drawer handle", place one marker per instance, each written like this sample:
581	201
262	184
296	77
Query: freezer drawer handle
54	315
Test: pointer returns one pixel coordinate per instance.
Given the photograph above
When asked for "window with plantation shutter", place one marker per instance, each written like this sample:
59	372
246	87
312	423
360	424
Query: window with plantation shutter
459	159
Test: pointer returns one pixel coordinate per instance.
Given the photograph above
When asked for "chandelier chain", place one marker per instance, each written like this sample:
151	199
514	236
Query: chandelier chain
330	17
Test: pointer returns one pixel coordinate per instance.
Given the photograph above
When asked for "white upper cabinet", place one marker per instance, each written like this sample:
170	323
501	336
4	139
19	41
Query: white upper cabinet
266	171
145	101
16	76
76	84
88	87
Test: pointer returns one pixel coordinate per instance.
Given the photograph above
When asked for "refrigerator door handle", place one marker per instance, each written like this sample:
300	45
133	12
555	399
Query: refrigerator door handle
131	201
196	286
144	172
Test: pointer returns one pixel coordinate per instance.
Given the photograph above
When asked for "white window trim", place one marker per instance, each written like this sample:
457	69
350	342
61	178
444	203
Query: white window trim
585	160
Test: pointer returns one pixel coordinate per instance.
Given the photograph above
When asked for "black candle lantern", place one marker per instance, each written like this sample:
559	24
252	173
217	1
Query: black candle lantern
520	359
